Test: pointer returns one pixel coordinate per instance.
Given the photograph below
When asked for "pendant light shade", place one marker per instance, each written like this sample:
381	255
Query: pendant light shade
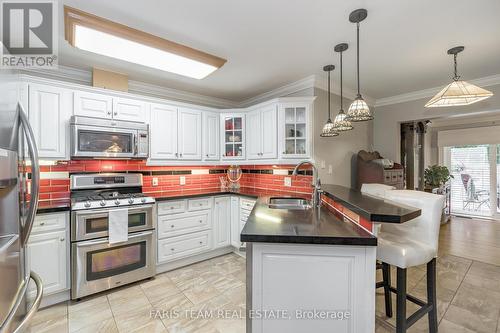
458	92
358	110
341	122
328	130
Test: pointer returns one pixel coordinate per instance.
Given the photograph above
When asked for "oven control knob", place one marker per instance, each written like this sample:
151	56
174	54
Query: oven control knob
102	203
143	200
87	204
130	201
117	202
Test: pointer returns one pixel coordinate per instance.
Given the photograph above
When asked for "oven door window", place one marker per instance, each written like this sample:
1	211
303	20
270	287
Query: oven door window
105	142
116	260
99	224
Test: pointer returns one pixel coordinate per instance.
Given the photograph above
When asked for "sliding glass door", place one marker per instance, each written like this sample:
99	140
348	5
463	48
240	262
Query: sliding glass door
476	171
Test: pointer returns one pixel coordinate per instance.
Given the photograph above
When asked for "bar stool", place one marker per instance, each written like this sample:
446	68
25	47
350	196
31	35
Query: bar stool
410	244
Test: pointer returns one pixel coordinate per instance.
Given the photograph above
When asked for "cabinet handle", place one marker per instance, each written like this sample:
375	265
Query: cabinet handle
201	243
42	223
172	207
116	113
181	154
61	239
176	154
201	221
172	226
109	113
207	155
172	249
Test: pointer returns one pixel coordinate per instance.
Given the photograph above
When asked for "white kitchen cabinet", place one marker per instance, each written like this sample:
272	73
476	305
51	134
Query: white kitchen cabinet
93	105
295	130
222	221
262	133
183	246
49	113
163	132
235	222
211	136
103	106
129	109
189	134
233	136
47	252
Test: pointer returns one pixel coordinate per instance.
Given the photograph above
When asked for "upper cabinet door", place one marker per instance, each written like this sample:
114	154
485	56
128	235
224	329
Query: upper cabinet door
254	140
233	136
129	109
189	134
269	121
295	130
93	105
163	132
211	136
49	112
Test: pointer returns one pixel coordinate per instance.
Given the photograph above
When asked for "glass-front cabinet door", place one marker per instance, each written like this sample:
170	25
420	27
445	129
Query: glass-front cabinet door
295	130
233	136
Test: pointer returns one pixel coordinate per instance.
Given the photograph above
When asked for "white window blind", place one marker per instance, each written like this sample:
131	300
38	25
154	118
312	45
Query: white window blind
470	162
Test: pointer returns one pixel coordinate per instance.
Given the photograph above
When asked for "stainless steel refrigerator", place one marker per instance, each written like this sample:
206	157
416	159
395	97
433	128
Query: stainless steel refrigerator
17	212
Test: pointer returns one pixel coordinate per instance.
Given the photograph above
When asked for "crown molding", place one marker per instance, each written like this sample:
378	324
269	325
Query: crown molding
84	77
305	83
426	93
322	83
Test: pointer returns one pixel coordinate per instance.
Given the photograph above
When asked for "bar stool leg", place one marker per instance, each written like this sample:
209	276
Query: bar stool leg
401	323
431	295
386	274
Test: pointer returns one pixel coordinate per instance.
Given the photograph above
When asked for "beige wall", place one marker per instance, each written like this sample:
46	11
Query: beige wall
337	151
386	136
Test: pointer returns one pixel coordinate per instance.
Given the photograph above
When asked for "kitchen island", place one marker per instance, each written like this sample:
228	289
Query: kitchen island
312	269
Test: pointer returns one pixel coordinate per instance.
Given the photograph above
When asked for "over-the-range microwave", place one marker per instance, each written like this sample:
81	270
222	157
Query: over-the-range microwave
108	139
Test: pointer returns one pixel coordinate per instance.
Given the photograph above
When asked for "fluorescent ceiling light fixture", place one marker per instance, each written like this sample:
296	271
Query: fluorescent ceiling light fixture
97	35
458	92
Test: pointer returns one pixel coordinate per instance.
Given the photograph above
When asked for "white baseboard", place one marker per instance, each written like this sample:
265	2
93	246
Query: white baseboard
165	267
48	300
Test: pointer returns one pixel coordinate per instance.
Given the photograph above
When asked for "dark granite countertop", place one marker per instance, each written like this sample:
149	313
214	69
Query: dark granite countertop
244	191
52	206
375	210
311	226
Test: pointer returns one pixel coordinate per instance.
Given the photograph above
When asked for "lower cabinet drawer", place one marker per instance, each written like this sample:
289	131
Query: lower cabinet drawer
50	222
199	204
183	246
172	207
178	224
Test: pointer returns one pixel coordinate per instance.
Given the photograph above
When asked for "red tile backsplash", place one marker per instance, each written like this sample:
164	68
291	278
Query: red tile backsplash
168	184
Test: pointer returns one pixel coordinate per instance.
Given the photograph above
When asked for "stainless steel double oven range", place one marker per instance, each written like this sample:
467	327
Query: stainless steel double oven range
97	265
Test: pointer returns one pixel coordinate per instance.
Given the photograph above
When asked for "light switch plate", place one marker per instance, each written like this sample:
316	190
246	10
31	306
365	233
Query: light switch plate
330	169
155	181
323	164
288	181
182	180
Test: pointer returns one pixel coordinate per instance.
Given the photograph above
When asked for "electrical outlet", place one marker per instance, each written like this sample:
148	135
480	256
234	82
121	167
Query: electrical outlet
323	164
288	181
330	169
182	180
155	181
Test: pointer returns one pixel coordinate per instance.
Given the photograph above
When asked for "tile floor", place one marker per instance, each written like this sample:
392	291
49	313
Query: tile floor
468	301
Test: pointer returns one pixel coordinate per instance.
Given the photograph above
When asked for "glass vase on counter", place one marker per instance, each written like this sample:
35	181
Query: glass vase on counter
234	174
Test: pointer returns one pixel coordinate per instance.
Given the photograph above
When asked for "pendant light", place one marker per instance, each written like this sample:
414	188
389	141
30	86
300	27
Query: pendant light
458	92
359	110
328	130
341	122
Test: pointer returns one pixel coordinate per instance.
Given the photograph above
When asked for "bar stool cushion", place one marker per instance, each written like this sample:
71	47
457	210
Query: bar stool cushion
414	242
376	190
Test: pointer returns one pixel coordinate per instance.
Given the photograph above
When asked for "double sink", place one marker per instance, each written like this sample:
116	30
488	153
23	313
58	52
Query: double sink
289	203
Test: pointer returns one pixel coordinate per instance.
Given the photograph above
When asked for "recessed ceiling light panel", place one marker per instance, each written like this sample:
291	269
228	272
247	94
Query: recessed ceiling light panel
97	35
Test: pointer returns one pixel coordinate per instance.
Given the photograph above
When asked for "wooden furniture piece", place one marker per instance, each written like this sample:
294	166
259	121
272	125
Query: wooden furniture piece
370	171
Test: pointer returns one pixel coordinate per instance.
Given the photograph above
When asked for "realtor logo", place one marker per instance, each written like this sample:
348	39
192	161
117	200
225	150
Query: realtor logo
29	34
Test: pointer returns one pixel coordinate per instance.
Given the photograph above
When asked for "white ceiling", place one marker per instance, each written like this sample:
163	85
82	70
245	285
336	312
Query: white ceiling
269	43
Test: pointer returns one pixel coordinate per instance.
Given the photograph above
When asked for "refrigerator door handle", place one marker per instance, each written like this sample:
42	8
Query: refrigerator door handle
35	176
34	307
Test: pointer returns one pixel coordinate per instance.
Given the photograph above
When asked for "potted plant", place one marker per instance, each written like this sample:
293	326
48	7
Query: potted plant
435	177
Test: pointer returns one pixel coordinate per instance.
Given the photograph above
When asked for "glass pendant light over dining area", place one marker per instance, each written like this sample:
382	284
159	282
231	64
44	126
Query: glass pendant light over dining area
341	122
328	130
359	110
458	92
